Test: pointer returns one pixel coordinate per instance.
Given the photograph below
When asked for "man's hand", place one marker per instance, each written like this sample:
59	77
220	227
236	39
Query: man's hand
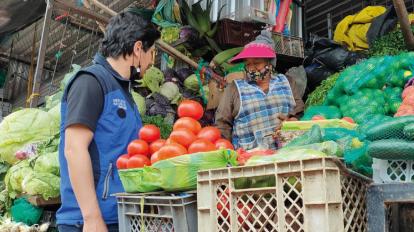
93	224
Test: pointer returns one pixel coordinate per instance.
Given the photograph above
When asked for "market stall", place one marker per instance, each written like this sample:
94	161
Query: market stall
179	169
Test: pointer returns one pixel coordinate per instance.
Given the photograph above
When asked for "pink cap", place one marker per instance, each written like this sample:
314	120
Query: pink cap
255	50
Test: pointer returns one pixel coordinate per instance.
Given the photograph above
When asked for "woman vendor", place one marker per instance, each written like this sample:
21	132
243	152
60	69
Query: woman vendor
253	108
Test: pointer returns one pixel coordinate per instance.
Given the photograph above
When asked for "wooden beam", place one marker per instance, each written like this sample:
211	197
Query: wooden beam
405	25
103	7
81	11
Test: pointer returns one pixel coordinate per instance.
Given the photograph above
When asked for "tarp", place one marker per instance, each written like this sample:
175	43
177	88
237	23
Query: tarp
18	14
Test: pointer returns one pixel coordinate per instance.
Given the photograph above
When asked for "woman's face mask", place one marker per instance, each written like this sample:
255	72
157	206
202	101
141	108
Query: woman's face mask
257	75
257	69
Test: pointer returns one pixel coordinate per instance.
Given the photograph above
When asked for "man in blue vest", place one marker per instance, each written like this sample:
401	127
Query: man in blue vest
99	119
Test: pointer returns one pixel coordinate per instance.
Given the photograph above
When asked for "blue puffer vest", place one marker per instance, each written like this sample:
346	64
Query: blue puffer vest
116	127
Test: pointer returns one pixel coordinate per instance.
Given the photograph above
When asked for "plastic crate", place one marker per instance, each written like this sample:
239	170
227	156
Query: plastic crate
388	171
289	45
157	212
304	195
379	199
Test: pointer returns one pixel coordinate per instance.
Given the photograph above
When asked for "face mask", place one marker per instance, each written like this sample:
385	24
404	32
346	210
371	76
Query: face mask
135	73
257	75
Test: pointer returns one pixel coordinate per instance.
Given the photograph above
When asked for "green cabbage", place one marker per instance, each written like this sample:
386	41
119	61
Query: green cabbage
171	91
140	101
24	127
53	100
39	183
15	176
69	75
48	163
191	83
152	79
55	113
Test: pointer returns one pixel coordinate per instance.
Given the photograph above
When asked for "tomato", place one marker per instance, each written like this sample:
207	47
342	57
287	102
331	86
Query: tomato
201	145
138	147
210	133
122	161
224	143
318	117
245	214
183	136
190	108
348	119
149	133
138	161
155	158
155	146
171	150
188	123
223	205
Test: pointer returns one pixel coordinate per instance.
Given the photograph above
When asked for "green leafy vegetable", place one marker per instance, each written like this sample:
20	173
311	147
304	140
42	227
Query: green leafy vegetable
48	163
140	101
317	97
171	91
158	120
152	79
24	127
15	176
191	83
389	44
39	183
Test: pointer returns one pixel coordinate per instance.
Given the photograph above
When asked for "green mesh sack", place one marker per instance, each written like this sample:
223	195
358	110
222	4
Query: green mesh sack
330	148
399	78
314	135
335	134
329	112
392	149
180	173
391	129
23	211
359	160
372	121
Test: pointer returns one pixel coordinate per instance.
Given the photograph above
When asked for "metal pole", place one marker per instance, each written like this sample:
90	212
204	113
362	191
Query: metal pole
34	98
329	18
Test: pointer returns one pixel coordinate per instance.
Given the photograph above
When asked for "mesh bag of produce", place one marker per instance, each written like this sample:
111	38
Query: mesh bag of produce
329	112
399	77
392	149
359	159
374	120
314	135
390	129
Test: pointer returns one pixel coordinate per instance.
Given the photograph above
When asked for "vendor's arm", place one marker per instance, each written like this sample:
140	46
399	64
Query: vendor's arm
227	110
85	105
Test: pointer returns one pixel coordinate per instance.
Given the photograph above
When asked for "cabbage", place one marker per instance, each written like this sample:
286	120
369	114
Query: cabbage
48	163
140	101
69	75
191	83
15	176
171	91
53	100
24	127
152	79
40	183
55	113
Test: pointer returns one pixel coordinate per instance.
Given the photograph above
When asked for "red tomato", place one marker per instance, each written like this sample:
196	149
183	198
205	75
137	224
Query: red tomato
210	133
138	161
149	133
318	117
348	119
190	108
245	214
183	136
138	147
201	145
155	146
188	123
223	205
155	158
171	150
224	143
122	161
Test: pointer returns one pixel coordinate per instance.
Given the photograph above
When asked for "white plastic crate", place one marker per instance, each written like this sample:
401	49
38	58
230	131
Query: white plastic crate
157	212
387	171
304	195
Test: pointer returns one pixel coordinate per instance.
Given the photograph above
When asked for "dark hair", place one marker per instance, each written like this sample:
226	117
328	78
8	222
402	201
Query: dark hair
123	31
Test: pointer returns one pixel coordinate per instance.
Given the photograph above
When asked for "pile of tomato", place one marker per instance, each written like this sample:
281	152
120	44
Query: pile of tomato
187	137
